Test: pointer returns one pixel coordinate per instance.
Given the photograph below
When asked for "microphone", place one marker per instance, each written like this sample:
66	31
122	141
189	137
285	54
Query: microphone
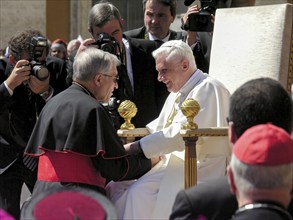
188	2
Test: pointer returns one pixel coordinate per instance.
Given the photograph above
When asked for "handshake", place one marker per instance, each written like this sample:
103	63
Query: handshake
135	148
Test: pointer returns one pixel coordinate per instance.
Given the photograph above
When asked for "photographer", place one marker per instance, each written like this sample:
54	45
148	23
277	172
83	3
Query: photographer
198	21
158	17
24	90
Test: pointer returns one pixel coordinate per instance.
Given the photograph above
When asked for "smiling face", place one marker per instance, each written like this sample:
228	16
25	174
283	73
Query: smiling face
172	72
157	19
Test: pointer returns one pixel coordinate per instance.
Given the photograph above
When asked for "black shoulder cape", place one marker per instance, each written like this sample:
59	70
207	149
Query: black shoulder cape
74	121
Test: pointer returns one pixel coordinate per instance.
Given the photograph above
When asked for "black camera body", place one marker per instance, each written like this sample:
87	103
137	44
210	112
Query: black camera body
202	21
107	43
37	47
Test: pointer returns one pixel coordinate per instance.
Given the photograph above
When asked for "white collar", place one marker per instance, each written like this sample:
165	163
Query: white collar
152	37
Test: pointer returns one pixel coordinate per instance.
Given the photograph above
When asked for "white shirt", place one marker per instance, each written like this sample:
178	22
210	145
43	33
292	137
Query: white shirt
128	62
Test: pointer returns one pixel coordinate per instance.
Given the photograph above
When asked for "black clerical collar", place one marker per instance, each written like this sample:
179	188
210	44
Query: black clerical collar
276	207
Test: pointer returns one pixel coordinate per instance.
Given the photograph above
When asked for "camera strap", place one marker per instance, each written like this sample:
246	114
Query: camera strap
146	35
124	85
123	56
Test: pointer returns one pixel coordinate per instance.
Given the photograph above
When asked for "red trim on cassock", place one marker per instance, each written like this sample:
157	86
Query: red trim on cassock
68	167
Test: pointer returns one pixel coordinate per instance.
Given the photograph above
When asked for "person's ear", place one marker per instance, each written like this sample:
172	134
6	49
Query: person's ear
97	80
12	60
173	19
90	30
122	22
185	65
231	181
232	135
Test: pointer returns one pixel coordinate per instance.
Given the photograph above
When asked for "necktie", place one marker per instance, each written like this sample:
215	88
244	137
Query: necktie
173	112
159	42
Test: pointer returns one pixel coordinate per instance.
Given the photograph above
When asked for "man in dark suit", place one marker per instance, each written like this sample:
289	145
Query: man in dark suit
138	76
158	16
22	96
256	102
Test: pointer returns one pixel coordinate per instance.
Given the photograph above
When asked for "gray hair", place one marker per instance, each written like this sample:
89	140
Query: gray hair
174	50
102	13
92	61
249	177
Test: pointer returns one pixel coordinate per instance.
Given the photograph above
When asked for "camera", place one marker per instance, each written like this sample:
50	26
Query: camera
107	43
38	46
202	21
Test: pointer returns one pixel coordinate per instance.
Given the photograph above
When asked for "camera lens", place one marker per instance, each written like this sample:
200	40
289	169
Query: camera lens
41	72
203	19
108	48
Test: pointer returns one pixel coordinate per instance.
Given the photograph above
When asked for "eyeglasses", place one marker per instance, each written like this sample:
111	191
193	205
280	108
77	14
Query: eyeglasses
116	77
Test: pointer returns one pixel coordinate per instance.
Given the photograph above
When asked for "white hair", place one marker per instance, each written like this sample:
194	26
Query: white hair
174	50
249	177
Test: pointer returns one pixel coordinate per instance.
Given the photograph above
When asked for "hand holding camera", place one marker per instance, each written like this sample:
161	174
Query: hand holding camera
199	20
107	43
20	73
104	42
38	86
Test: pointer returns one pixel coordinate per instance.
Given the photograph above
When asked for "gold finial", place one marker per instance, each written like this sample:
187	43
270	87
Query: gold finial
127	110
190	109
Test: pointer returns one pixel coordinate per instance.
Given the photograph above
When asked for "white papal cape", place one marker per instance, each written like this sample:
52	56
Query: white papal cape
152	195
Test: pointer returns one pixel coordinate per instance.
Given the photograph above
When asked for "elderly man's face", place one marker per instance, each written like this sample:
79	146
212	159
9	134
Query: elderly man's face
157	19
109	82
171	73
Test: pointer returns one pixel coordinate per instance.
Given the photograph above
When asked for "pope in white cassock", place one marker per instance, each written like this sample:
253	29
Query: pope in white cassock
152	195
